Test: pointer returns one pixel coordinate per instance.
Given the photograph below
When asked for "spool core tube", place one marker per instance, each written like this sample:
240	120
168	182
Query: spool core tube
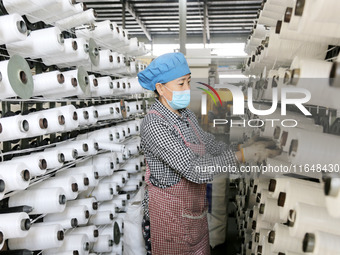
21	25
308	243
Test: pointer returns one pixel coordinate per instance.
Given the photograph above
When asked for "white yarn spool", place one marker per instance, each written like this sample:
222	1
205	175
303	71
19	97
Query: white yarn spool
108	206
104	112
103	244
321	243
111	146
118	202
68	55
332	204
133	148
139	183
39	43
56	11
37	123
78	243
79	212
103	192
286	50
90	203
132	47
129	188
301	151
266	20
277	164
306	218
134	127
85	17
81	147
12	28
12	128
41	200
39	237
67	183
122	131
117	61
134	87
104	30
287	134
293	194
102	218
82	53
116	178
117	248
269	211
16	78
133	108
87	116
65	223
104	163
81	179
70	117
36	164
314	76
278	185
121	158
325	12
90	231
93	83
54	158
120	86
106	61
131	167
24	7
273	11
83	84
286	33
15	225
308	26
282	241
89	171
55	120
104	87
17	178
69	153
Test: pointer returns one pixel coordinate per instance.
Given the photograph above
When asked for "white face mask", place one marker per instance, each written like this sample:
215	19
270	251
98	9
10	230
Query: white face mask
180	99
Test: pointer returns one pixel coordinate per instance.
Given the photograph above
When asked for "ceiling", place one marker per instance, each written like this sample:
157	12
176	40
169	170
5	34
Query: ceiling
153	19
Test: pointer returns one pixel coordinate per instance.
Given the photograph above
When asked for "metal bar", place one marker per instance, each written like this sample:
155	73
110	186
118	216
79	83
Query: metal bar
182	25
130	9
123	14
206	20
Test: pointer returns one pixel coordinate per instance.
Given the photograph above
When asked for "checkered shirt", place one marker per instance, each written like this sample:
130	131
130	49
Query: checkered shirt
167	156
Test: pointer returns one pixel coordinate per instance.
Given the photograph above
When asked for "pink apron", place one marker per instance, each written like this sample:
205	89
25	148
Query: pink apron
178	221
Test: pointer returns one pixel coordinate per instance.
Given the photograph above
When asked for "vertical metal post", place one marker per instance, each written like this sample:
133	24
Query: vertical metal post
123	14
204	23
183	25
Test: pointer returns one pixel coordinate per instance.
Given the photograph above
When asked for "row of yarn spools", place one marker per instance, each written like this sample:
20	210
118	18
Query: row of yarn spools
287	215
83	53
79	188
57	84
65	15
289	29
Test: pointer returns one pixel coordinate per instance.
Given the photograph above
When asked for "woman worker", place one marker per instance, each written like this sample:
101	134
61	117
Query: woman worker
178	153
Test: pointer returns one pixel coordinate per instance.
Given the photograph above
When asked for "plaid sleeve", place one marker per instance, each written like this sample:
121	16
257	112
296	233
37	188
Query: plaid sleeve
213	146
166	145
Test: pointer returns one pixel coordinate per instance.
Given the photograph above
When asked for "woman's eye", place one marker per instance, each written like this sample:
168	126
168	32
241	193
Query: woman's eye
181	84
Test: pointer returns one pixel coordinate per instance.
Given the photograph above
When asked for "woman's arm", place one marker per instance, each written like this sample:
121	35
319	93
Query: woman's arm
213	146
159	140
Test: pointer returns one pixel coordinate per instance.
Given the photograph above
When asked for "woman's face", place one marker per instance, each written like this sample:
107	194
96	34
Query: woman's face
180	84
